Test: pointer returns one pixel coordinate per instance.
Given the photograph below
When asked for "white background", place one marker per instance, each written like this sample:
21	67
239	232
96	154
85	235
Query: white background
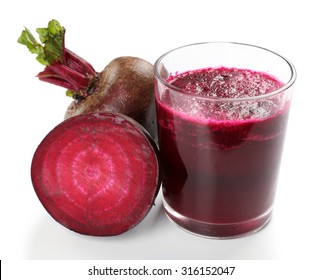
102	30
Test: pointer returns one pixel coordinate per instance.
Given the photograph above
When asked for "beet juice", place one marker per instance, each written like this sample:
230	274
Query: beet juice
221	158
222	111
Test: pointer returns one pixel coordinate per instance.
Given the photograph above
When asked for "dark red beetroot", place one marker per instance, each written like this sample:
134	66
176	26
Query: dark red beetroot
97	174
125	86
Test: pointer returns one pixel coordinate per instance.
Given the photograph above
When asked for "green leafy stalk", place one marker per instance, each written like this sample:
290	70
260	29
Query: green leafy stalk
63	67
52	39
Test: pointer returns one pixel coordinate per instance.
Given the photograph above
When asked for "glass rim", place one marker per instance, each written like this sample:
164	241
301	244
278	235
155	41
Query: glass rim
286	86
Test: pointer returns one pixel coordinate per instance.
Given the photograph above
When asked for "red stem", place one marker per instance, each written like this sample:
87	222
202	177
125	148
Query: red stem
74	73
57	70
57	81
79	64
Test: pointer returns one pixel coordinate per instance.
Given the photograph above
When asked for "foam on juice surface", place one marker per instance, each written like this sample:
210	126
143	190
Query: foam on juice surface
225	82
214	85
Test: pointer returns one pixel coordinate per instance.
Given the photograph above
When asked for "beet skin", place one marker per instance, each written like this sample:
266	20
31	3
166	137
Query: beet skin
125	86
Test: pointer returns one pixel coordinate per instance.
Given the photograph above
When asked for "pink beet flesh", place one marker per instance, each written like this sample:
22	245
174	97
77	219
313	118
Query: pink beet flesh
97	174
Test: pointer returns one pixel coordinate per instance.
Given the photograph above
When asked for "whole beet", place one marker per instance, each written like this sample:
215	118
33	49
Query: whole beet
125	86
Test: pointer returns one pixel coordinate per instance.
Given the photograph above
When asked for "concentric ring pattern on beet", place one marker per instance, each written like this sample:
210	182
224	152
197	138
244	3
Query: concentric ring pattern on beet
97	174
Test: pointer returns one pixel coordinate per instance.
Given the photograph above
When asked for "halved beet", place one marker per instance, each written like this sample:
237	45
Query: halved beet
97	174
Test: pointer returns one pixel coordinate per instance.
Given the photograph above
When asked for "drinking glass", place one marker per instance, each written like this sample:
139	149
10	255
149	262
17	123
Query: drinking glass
221	155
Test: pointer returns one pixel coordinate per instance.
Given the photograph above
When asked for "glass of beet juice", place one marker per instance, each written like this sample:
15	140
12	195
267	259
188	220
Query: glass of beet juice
222	111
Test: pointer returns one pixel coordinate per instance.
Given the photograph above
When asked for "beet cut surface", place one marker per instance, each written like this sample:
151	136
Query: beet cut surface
97	174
